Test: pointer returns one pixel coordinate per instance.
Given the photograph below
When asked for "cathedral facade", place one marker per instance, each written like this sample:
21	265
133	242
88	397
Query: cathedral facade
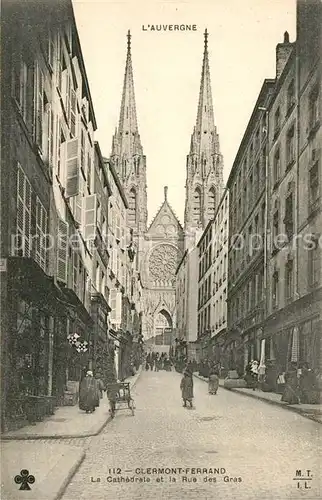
161	245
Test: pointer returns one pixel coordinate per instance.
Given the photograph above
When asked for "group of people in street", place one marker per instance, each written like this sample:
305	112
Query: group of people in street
301	385
155	362
299	382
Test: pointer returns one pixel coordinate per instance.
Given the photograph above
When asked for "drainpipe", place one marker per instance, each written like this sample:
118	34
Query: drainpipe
296	201
266	210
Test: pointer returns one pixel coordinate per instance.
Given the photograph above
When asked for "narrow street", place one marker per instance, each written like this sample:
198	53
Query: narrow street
260	445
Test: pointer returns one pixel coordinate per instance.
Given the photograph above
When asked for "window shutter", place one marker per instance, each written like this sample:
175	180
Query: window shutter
75	270
40	107
62	250
118	308
72	163
73	111
27	231
90	217
41	231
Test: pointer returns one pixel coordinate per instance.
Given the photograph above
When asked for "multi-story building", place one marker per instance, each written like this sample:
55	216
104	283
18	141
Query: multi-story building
55	195
47	156
212	282
247	236
292	331
220	279
124	281
187	303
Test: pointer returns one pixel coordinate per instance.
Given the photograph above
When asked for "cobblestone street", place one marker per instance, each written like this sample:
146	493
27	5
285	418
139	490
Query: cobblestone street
260	445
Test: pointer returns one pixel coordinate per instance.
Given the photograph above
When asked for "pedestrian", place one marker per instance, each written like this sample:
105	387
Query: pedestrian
213	382
290	394
100	384
307	385
88	393
254	373
186	386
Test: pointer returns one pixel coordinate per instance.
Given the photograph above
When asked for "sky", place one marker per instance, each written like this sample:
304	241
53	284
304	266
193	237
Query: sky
167	68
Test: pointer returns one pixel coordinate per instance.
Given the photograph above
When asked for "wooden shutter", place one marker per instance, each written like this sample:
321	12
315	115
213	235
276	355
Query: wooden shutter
90	217
75	271
62	250
40	108
72	164
27	210
73	111
41	231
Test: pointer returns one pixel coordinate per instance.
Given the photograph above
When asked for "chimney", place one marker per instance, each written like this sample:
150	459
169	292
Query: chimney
283	51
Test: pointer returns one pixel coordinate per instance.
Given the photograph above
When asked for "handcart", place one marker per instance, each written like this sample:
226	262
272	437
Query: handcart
119	395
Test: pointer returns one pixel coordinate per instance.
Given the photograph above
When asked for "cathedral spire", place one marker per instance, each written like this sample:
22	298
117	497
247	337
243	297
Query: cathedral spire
205	124
127	155
204	162
127	132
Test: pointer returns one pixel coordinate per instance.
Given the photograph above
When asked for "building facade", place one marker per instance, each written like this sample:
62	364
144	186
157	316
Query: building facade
55	241
187	303
212	283
247	238
294	262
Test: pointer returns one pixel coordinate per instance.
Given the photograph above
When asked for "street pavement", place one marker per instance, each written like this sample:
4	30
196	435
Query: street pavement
259	449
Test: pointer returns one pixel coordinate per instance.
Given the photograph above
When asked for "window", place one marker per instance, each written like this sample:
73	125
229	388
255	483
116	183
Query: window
314	263
41	233
275	290
277	121
290	146
196	214
211	203
276	223
290	96
289	280
314	107
23	224
276	166
89	172
41	102
314	186
83	151
23	90
288	220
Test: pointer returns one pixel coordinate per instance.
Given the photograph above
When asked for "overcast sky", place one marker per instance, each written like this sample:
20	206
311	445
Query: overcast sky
167	69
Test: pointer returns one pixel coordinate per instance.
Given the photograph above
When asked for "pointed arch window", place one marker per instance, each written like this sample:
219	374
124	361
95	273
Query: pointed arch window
132	207
196	205
211	203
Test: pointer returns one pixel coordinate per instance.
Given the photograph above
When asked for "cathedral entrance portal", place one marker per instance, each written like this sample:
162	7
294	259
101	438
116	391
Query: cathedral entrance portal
163	328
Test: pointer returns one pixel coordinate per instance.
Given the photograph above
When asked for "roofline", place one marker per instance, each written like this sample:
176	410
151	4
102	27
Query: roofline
117	181
100	157
181	261
267	84
210	222
83	69
283	75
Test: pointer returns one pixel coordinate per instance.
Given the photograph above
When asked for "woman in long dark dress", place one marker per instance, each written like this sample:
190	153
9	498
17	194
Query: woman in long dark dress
307	385
186	387
290	394
88	393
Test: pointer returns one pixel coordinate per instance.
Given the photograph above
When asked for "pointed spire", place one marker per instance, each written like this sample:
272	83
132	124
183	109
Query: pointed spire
128	126
205	117
165	193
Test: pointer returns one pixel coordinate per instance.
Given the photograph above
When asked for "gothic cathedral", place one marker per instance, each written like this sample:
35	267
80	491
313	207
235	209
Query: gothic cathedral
160	246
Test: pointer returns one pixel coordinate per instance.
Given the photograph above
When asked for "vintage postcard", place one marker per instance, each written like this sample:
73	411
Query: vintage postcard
160	249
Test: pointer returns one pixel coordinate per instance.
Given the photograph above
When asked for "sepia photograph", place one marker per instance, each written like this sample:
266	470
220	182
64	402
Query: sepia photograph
161	249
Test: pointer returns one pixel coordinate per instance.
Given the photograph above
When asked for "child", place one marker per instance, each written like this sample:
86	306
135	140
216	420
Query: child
186	387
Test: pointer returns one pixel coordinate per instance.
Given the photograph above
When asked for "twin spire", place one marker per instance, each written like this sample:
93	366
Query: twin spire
126	140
